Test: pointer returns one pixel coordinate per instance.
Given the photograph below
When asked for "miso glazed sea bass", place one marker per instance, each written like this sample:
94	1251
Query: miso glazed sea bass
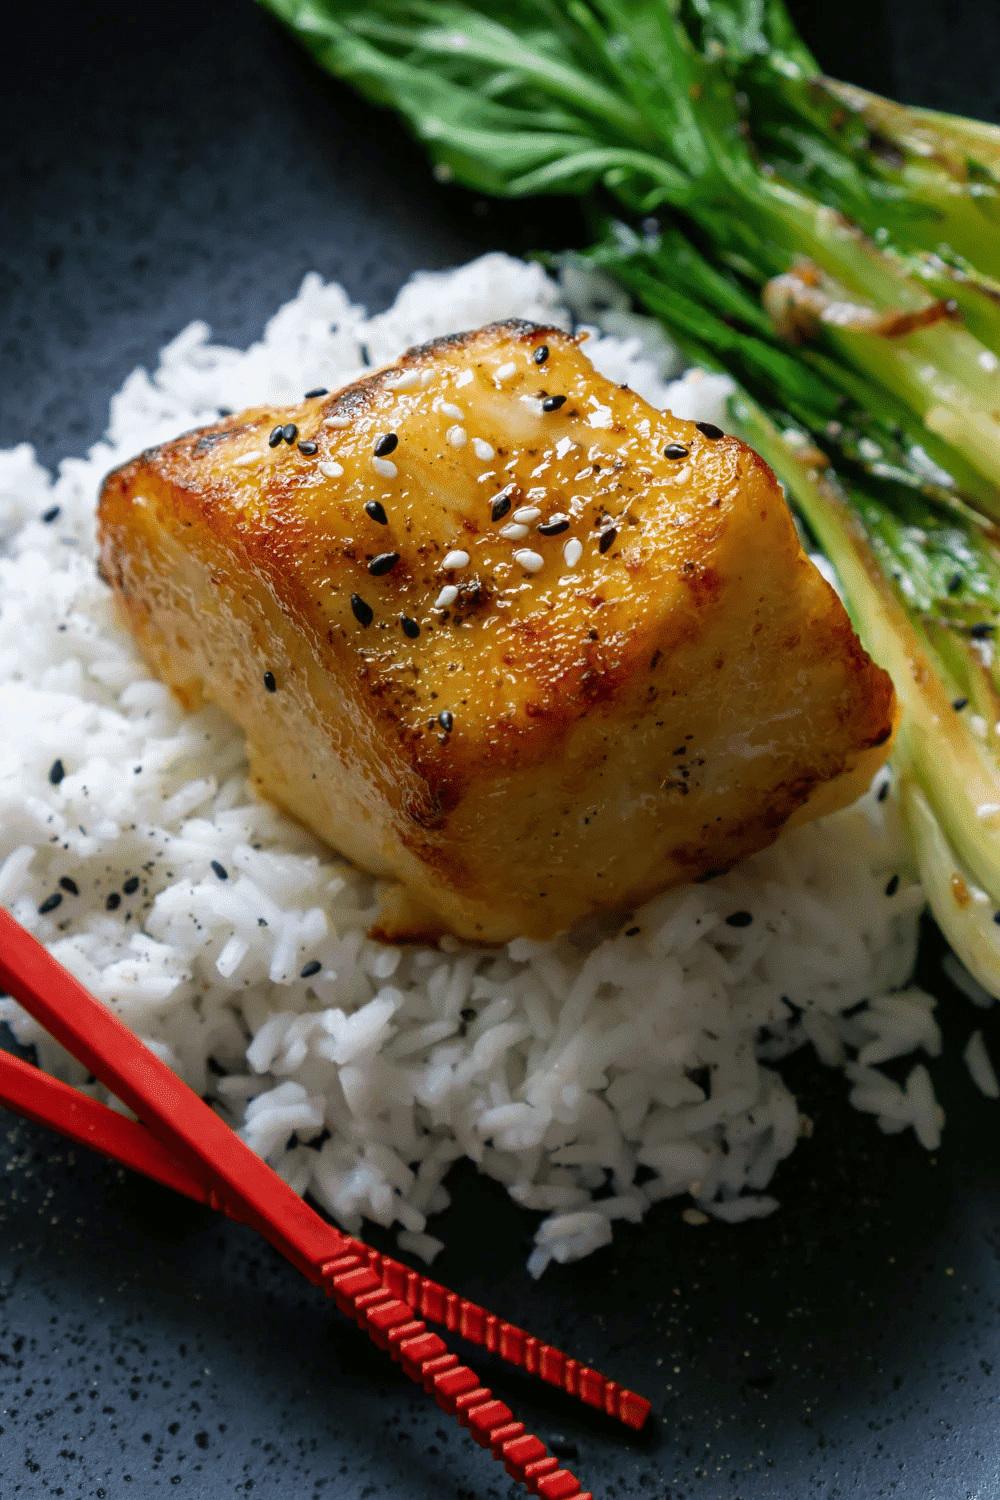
500	632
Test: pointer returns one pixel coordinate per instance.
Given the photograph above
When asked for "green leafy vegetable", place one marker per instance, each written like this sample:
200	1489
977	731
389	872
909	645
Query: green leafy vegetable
835	253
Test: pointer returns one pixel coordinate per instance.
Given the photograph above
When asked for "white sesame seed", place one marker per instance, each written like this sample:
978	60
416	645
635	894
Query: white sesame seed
601	417
482	449
464	379
447	596
572	552
451	410
331	470
505	371
513	532
426	376
337	422
250	458
385	467
456	436
526	513
407	381
457	559
530	561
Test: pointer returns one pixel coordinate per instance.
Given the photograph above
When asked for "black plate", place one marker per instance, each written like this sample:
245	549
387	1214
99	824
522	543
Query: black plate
181	160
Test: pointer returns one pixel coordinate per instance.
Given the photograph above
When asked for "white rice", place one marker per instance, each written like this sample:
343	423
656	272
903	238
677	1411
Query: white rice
591	1076
981	1069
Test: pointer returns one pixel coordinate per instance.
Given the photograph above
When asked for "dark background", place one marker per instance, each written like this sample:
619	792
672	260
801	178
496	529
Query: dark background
178	160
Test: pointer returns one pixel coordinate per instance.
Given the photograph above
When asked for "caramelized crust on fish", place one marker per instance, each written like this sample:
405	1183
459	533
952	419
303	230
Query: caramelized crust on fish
500	631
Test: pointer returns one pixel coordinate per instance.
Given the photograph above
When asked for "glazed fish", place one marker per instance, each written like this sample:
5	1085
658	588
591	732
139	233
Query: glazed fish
500	632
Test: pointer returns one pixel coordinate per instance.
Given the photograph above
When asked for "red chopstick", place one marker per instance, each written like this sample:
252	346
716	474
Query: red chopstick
197	1149
49	1102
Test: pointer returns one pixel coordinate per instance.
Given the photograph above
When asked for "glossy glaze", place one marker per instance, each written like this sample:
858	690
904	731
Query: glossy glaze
557	739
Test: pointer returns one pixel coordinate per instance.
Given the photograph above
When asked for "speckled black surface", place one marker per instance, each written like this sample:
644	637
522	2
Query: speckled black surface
183	160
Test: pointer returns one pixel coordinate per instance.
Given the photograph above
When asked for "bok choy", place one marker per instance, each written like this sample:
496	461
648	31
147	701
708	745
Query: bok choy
835	253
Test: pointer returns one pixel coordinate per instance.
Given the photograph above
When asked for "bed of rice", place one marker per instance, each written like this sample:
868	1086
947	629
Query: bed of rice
628	1062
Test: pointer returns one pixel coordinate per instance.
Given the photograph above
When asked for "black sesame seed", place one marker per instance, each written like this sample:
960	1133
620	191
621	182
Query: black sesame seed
553	528
446	720
50	903
541	354
468	1013
270	683
607	539
131	885
376	510
553	403
276	436
308	970
892	885
308	447
113	902
386	444
981	632
739	919
320	390
709	430
959	703
384	563
50	515
410	627
220	870
883	792
676	450
954	583
363	613
289	432
500	504
56	772
70	885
